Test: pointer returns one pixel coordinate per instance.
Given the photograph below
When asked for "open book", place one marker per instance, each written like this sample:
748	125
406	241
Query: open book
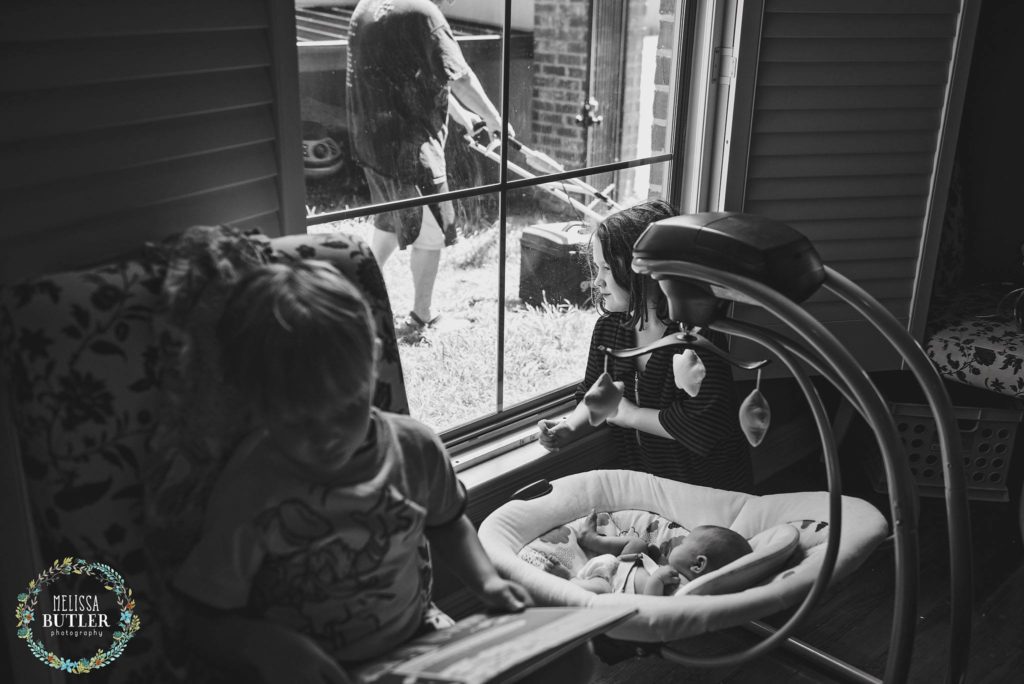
492	649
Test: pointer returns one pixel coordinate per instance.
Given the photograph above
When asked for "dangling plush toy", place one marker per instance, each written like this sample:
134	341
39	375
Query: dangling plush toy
689	371
755	415
602	399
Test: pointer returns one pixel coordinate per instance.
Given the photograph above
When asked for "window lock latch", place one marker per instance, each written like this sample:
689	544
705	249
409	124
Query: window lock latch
588	115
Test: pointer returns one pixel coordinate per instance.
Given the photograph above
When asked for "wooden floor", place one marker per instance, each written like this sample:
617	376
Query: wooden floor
853	621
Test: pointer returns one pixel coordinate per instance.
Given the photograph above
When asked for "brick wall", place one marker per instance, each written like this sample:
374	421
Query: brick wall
561	68
660	140
635	32
560	85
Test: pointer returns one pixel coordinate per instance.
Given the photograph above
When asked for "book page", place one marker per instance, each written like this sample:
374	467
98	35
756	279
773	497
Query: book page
487	649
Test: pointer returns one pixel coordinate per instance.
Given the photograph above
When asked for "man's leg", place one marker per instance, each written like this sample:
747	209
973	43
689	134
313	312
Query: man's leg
383	245
424	259
424	264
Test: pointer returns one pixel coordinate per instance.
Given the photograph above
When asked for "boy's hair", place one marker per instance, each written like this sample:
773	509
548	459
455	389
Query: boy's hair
297	337
617	234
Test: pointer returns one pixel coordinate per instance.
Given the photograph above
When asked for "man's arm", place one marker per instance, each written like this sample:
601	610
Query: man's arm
461	115
470	93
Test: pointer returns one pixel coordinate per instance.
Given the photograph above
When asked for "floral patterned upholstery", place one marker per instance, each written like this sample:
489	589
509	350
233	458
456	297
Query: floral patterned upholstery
84	355
970	342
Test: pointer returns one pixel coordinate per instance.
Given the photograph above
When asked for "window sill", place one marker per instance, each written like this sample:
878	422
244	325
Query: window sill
491	479
503	459
523	440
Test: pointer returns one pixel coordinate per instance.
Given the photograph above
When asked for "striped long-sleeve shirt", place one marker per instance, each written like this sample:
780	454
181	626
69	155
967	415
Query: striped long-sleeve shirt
708	446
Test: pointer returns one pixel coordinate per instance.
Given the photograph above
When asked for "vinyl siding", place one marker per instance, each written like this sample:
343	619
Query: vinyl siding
124	122
843	141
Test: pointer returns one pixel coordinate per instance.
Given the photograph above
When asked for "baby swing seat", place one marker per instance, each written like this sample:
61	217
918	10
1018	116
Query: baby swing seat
535	542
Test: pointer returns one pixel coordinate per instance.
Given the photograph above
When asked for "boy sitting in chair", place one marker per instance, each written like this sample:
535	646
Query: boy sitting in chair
628	565
316	550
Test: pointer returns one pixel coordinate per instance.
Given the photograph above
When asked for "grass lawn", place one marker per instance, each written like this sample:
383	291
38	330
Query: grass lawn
451	375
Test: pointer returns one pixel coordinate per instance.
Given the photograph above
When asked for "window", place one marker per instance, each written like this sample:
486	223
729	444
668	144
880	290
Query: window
592	90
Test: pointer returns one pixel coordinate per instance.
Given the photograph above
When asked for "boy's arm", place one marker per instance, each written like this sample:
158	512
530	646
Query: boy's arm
457	544
272	652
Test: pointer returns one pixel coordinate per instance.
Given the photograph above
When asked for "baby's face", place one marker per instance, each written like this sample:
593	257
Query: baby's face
682	557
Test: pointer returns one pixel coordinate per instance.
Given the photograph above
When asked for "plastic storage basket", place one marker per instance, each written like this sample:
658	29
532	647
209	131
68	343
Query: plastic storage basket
987	435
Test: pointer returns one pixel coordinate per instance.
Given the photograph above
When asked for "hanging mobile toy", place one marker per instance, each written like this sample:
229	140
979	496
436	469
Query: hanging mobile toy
602	399
689	371
755	414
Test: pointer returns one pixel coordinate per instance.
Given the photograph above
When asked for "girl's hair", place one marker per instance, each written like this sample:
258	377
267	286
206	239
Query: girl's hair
297	337
617	234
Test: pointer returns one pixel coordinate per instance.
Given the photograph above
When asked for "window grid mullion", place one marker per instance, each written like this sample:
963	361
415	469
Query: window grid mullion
506	60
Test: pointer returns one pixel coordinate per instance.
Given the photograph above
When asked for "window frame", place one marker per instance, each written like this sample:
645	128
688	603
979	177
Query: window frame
699	122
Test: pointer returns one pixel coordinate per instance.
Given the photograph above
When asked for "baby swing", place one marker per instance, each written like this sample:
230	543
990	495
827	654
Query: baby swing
800	541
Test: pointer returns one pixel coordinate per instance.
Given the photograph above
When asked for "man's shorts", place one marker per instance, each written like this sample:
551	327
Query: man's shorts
431	229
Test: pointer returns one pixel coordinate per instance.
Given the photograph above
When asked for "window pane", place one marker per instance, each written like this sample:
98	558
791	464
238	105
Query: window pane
450	367
334	181
564	55
599	83
549	313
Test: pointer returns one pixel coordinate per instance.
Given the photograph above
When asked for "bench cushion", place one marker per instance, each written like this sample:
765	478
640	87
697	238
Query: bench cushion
972	343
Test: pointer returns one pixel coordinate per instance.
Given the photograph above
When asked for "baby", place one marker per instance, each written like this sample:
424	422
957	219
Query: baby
627	564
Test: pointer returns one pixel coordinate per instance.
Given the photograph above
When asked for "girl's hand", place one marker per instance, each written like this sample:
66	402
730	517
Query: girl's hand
505	595
555	434
624	417
296	658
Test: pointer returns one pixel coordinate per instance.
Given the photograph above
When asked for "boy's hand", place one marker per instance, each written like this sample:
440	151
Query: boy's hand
505	595
296	658
555	434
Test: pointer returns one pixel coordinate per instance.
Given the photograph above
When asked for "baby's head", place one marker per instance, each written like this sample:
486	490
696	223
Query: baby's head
706	549
299	342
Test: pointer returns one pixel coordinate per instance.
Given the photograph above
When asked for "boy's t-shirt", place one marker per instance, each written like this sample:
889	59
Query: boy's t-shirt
346	565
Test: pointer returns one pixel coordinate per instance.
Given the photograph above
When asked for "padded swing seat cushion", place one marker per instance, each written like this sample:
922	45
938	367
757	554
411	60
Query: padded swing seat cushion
559	552
529	540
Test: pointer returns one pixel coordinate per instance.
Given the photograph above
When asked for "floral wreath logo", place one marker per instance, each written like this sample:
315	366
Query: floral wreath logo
127	625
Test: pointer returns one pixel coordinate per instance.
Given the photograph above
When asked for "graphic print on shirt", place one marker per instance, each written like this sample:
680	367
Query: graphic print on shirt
330	580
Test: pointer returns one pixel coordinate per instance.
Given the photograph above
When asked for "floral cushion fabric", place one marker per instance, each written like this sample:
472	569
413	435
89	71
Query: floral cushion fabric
83	365
972	341
352	256
105	365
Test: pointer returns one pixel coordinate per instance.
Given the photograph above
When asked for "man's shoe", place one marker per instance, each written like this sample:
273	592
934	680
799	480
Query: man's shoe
410	329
